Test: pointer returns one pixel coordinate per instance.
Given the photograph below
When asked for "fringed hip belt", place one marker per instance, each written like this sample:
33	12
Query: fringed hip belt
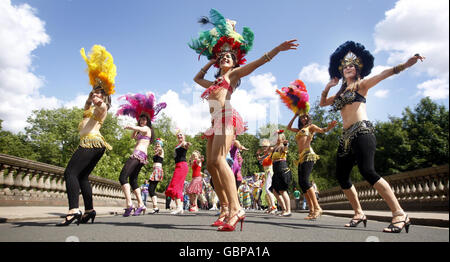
139	155
225	122
307	155
359	128
94	140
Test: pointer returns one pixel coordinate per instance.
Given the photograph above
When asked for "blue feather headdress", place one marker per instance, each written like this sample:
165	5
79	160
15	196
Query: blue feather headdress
350	53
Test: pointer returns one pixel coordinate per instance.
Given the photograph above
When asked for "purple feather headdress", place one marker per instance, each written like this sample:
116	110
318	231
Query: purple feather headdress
140	104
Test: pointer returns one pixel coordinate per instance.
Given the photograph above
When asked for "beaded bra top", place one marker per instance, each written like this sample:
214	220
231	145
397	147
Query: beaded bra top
139	137
220	82
348	97
303	132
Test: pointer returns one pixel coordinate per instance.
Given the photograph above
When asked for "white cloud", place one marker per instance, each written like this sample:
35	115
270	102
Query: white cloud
263	86
435	88
416	26
381	93
190	117
255	100
21	33
314	73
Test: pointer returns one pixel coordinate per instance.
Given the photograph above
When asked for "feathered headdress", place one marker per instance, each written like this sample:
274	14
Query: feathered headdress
160	141
350	53
295	97
222	38
140	104
101	68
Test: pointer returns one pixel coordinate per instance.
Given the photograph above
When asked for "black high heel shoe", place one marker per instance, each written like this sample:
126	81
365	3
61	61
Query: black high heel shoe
396	229
88	215
356	221
74	216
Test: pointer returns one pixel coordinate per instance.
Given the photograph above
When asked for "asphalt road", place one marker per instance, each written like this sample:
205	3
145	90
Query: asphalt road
194	227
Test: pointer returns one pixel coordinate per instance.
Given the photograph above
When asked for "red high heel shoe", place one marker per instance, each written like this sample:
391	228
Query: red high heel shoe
220	221
228	227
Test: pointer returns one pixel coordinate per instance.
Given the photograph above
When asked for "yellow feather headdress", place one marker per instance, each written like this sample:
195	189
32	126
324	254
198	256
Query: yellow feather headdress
101	68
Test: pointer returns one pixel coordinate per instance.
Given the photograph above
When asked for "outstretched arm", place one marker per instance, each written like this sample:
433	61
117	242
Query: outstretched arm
199	77
239	145
142	129
240	72
317	129
186	145
368	83
324	99
289	127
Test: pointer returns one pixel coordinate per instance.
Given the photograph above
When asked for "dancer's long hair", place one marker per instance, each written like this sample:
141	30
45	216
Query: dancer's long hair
149	124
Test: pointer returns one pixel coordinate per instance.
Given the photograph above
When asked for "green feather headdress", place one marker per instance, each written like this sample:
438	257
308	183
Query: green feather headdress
222	38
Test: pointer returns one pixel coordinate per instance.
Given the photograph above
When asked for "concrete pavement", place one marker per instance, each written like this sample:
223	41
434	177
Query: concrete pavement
195	227
31	213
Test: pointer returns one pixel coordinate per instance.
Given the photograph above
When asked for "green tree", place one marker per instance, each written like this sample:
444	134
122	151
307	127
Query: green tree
393	151
53	135
16	145
427	128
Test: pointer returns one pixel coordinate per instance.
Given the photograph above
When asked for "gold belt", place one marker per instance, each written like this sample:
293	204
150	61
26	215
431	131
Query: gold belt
93	140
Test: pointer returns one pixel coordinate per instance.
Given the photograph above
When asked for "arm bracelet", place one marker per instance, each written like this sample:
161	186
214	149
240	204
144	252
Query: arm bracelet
203	71
397	69
266	55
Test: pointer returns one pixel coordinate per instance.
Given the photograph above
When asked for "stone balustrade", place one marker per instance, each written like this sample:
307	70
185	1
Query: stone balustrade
27	182
423	189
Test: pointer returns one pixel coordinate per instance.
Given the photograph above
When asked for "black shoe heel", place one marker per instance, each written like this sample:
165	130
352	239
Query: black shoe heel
88	216
355	222
395	229
67	222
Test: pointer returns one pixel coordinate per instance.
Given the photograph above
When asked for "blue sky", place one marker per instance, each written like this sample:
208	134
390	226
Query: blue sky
148	40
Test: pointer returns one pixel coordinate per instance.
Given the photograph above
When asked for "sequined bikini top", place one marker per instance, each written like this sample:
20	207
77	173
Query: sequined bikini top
89	113
219	83
303	132
348	97
139	137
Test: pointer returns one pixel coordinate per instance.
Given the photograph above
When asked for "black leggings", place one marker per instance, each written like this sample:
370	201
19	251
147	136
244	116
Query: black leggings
130	171
304	170
363	153
152	187
77	174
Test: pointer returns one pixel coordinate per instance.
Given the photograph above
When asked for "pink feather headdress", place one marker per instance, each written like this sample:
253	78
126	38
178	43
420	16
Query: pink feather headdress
140	104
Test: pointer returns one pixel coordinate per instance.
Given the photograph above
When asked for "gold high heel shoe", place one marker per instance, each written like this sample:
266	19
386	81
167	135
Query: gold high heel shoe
317	213
310	215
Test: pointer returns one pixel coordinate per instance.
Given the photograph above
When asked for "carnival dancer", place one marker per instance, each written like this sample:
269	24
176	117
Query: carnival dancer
282	176
245	195
225	49
102	72
235	155
358	144
157	174
264	157
143	109
196	186
255	185
176	185
296	99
